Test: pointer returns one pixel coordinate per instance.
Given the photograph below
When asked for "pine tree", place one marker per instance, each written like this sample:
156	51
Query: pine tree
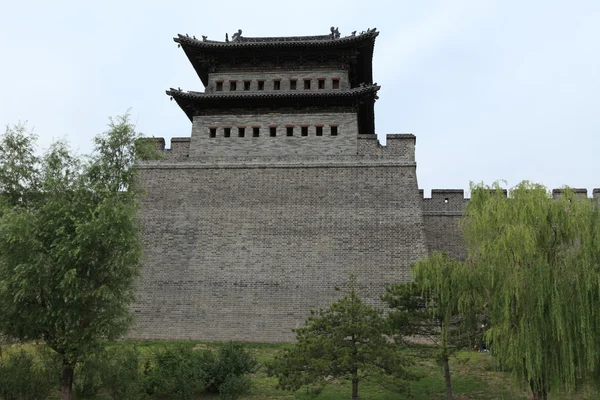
346	340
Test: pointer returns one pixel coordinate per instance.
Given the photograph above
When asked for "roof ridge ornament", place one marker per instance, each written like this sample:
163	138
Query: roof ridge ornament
335	32
236	36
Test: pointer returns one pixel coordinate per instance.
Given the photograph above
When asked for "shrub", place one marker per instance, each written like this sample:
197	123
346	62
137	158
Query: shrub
175	373
122	378
89	376
226	371
22	379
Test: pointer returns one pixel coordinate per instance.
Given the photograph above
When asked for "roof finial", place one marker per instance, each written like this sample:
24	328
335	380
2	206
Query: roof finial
335	32
204	38
226	38
236	36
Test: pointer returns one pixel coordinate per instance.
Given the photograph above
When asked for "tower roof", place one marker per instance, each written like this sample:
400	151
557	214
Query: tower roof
195	103
355	50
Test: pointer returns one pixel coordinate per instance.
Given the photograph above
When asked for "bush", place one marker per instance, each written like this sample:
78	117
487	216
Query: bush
88	376
122	378
175	373
22	379
226	371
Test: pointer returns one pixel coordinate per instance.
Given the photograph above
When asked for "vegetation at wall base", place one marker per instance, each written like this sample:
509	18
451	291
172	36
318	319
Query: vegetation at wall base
69	242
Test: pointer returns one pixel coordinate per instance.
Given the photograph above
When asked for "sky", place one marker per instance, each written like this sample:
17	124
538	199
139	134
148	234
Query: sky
493	90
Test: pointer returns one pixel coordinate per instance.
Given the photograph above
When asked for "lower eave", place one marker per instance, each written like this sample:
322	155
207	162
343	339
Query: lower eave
192	102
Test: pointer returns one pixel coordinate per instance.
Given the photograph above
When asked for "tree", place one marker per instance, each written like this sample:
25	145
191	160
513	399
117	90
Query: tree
537	261
69	241
346	341
439	304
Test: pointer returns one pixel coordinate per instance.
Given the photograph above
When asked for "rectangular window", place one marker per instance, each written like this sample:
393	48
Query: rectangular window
306	84
255	131
227	132
321	83
304	130
289	130
334	130
273	131
261	85
219	86
241	131
319	130
232	86
292	84
276	85
246	85
212	132
335	83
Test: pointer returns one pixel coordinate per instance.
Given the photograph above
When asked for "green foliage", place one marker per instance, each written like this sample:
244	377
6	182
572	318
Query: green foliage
440	305
537	261
226	372
21	378
176	373
345	341
69	240
122	377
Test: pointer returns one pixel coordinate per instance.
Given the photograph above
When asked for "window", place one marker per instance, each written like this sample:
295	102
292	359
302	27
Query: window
319	130
446	200
292	84
227	132
321	83
241	131
212	132
219	86
304	130
273	131
276	85
232	86
306	84
246	85
261	85
255	131
290	130
334	130
335	83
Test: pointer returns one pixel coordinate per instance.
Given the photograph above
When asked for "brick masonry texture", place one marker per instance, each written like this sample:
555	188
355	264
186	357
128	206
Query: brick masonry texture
283	76
243	253
265	145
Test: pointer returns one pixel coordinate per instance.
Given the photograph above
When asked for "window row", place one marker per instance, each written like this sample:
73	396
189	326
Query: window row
289	130
276	84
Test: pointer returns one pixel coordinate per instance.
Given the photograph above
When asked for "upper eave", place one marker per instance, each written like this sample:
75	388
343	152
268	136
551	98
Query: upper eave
191	101
278	42
199	51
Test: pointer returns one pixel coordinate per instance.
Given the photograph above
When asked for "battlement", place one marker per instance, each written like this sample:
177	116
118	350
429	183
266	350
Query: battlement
399	147
452	201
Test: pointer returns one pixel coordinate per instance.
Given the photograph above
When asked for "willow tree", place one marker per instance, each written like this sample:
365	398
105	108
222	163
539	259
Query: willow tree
537	261
69	242
440	305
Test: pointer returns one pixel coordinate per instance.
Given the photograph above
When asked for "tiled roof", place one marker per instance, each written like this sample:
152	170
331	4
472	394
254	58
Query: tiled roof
290	41
288	94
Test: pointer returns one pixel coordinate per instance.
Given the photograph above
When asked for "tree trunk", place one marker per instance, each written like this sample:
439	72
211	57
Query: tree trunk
66	382
355	389
447	378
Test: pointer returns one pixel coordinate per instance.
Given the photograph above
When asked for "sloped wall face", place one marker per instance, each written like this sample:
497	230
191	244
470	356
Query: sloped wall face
243	253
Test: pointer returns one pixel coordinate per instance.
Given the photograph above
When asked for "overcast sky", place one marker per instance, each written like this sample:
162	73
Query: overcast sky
492	89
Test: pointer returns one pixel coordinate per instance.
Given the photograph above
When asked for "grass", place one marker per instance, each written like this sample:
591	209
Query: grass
473	377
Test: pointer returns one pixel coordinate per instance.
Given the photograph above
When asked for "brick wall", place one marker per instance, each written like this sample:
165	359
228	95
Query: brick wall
240	250
283	76
344	143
